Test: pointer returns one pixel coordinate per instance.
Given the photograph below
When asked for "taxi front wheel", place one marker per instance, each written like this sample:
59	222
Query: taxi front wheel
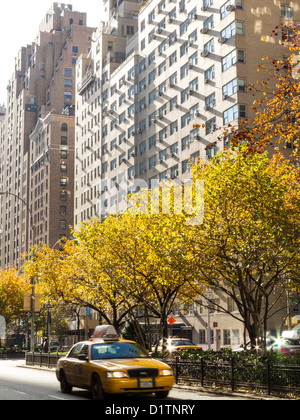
97	390
65	387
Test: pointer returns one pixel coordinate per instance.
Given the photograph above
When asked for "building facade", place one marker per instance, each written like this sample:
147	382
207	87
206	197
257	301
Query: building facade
147	82
187	63
43	82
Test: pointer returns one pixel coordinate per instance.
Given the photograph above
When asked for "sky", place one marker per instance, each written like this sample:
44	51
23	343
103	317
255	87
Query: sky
19	26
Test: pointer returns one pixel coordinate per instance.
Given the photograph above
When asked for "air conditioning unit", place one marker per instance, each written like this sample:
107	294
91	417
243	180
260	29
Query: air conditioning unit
197	137
197	114
230	8
195	16
225	97
190	66
159	116
171	85
204	30
170	20
222	40
204	8
181	10
205	53
206	81
176	106
159	31
207	107
140	130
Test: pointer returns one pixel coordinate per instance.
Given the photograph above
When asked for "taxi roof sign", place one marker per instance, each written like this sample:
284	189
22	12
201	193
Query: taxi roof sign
106	332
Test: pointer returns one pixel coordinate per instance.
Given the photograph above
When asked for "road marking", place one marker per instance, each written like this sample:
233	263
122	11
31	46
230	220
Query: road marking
57	398
20	392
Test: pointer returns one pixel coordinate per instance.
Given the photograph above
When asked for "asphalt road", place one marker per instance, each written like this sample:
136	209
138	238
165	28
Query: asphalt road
18	382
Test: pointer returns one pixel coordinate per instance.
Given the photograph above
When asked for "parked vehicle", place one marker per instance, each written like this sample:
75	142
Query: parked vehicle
286	346
174	344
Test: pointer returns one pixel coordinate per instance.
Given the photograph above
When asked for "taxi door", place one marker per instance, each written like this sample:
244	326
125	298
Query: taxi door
80	370
69	363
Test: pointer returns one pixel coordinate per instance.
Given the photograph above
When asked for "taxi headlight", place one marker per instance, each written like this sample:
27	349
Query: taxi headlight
166	372
119	375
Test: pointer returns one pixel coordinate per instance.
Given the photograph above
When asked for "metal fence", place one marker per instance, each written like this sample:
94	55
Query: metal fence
232	374
47	360
235	375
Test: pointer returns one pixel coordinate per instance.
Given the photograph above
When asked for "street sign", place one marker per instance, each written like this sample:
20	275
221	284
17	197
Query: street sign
171	321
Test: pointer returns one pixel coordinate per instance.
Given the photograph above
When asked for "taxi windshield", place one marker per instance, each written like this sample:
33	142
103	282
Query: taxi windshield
117	350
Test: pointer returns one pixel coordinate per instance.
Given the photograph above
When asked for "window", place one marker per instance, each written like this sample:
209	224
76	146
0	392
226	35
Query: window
68	72
68	83
63	182
62	224
63	210
152	96
64	127
228	61
230	88
209	47
68	96
63	196
75	50
193	60
152	141
174	127
151	77
152	162
185	166
210	73
184	48
162	67
286	11
113	164
172	38
227	339
151	16
210	126
63	168
241	56
209	23
184	71
236	111
173	58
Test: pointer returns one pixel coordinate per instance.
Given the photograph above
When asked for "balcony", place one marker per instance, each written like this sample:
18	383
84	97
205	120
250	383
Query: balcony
87	80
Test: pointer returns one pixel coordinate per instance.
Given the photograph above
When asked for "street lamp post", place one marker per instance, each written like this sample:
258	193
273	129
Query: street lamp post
7	193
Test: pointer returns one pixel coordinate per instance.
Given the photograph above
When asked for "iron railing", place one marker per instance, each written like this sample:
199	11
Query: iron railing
232	374
236	375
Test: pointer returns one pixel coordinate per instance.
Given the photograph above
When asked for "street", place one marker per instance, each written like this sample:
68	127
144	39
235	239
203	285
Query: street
18	382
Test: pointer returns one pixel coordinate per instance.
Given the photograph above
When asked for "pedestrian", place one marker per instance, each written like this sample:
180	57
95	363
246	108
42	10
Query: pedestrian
45	345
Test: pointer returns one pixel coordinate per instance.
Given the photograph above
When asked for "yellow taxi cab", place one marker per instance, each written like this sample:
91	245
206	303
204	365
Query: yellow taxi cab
108	364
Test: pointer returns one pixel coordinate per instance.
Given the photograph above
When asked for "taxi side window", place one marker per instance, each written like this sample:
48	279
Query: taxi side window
75	351
85	350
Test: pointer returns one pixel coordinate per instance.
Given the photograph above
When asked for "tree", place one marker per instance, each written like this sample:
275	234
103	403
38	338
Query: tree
276	100
13	285
247	246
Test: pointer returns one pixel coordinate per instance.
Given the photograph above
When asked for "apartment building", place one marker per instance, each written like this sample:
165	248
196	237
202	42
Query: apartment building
184	63
43	82
187	63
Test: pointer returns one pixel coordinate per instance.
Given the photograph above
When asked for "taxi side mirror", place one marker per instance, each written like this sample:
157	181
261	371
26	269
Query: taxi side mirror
83	357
